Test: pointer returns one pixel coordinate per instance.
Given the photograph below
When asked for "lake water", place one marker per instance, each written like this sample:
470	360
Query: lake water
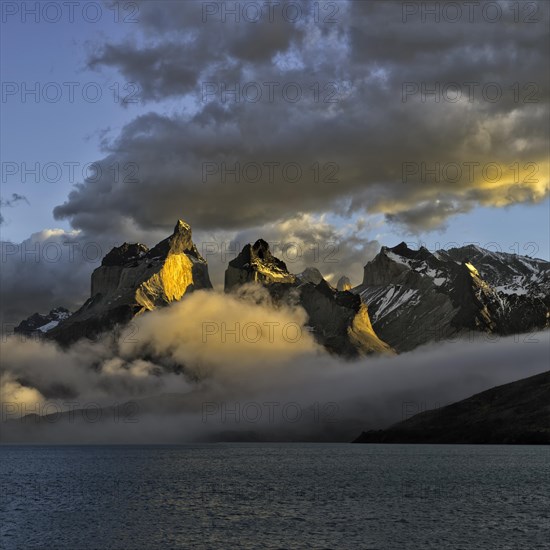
340	496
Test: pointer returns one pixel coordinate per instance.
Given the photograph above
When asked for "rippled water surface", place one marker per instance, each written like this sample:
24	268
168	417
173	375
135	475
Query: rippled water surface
275	496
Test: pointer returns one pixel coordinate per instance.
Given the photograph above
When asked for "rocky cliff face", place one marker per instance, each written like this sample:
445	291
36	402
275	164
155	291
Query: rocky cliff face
133	279
415	297
509	274
339	320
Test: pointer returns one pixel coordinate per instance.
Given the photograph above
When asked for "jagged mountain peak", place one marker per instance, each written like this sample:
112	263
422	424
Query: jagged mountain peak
507	273
133	279
182	226
403	250
259	251
339	320
179	242
261	247
412	296
256	263
311	275
343	283
415	296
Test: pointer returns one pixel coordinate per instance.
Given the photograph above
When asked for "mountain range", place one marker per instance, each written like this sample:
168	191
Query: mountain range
407	297
415	296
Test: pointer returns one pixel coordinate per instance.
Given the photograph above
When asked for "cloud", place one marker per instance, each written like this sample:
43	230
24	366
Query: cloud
335	247
11	391
430	215
182	375
51	268
382	150
15	199
214	331
205	333
351	146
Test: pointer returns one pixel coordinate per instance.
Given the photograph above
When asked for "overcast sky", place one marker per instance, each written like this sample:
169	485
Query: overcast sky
350	125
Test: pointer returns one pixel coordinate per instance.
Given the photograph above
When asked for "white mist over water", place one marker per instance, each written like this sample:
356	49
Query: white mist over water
189	384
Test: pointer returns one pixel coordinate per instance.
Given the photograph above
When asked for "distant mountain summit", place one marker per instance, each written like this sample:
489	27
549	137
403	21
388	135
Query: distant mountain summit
506	273
38	324
343	283
407	297
133	279
415	297
339	320
255	263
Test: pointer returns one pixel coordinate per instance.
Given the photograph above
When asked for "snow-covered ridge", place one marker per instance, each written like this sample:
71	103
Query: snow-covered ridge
415	296
506	273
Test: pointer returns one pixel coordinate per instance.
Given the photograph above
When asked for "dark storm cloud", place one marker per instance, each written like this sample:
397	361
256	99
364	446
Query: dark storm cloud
171	76
180	48
214	32
429	214
49	269
378	121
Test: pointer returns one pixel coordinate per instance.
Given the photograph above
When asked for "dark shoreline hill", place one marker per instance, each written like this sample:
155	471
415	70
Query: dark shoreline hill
513	414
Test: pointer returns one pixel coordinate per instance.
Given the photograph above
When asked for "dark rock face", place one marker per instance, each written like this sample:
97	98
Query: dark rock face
256	264
133	279
415	297
510	274
124	254
339	320
38	324
521	283
516	413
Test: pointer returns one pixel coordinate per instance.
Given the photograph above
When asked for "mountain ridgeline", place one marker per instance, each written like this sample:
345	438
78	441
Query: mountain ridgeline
132	280
338	319
407	298
416	297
